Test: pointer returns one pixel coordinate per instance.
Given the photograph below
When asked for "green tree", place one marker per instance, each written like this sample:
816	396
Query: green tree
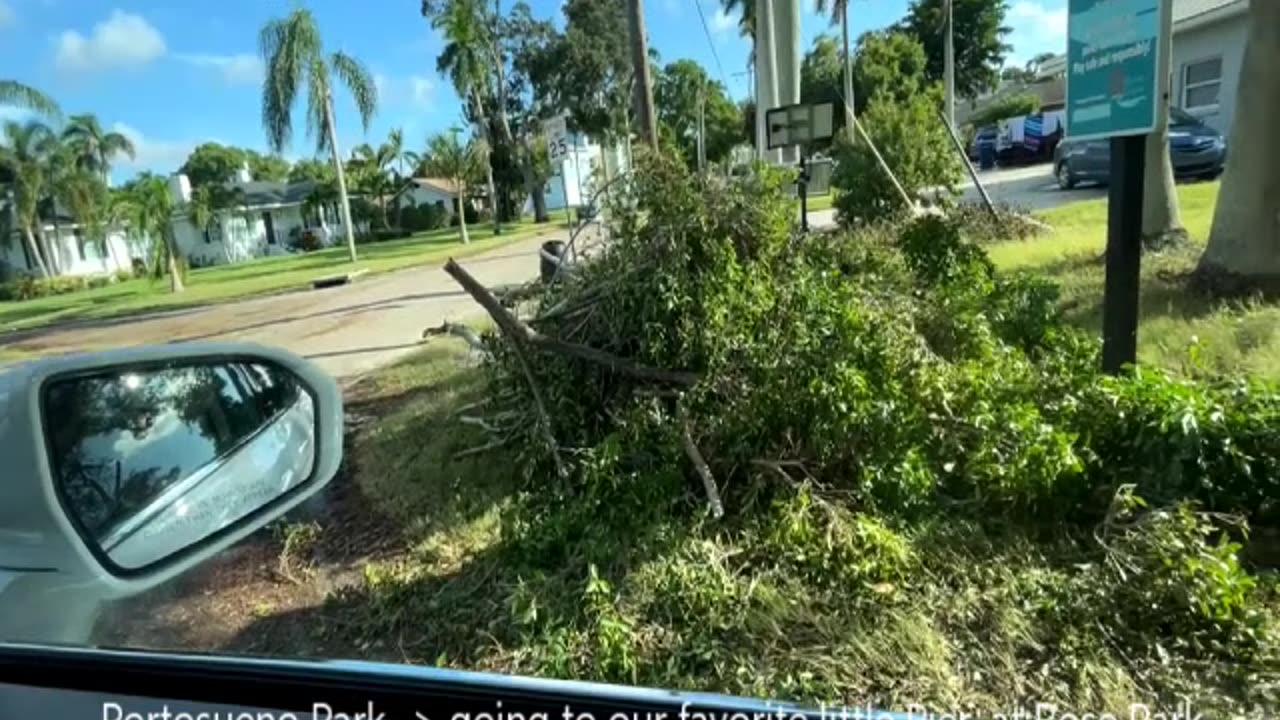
15	93
680	87
888	66
212	163
93	146
403	157
21	157
149	207
448	157
372	173
589	68
979	40
267	166
531	44
312	169
294	58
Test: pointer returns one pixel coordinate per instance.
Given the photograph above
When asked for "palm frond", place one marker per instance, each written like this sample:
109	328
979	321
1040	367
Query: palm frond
13	92
359	82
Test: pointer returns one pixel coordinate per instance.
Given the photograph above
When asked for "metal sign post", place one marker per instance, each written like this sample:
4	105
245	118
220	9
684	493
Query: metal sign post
1112	89
797	125
556	131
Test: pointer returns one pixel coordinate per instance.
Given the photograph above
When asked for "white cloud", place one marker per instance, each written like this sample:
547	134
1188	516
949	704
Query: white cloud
1038	26
423	90
415	91
240	68
6	15
673	7
723	22
163	156
121	40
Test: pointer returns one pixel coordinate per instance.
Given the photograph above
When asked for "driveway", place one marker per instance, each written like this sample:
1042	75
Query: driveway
347	330
1029	188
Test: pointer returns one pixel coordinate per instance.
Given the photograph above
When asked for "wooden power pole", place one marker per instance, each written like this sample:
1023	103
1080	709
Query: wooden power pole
644	84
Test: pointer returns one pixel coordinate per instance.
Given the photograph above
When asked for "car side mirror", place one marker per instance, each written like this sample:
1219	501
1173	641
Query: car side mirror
127	468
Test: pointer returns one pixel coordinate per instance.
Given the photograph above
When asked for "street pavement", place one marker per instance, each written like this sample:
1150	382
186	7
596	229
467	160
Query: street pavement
347	330
352	329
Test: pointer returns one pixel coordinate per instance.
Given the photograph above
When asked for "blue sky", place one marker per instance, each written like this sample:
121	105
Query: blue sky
172	74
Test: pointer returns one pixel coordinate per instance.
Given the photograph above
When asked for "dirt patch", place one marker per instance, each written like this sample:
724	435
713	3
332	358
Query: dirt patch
256	584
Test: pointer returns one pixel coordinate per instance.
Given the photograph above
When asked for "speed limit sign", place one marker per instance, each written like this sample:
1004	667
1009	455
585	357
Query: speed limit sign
556	131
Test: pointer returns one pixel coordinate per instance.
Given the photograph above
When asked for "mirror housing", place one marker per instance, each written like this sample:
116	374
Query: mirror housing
45	549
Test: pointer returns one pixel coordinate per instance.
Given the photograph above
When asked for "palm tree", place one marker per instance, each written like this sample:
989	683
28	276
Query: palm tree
87	196
448	157
13	92
374	168
149	206
293	55
94	147
840	13
21	156
402	155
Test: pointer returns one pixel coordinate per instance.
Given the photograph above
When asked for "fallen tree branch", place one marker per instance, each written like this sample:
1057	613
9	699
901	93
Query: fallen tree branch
493	445
458	330
699	464
512	327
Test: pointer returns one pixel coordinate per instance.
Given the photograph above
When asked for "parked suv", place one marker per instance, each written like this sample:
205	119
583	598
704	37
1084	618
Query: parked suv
1196	150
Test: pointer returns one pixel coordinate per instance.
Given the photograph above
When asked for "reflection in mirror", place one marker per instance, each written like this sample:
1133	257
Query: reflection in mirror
150	460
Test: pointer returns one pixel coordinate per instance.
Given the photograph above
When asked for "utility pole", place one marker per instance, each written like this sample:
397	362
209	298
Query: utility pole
644	84
949	65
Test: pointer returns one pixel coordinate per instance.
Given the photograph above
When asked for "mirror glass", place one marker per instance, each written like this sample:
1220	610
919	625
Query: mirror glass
150	460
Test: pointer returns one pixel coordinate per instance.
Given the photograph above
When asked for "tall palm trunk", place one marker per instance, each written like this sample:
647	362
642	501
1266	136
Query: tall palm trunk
34	251
50	259
175	277
848	75
462	213
488	162
1161	221
343	202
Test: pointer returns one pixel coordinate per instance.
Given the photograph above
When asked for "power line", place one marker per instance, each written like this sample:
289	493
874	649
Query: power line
706	29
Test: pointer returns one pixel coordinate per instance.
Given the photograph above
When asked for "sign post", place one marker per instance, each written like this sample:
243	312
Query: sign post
797	125
556	132
1112	93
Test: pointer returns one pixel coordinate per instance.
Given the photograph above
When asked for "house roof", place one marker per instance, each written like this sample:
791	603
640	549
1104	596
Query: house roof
439	184
260	193
1188	9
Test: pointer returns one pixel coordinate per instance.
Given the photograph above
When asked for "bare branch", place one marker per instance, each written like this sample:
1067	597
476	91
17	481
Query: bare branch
699	464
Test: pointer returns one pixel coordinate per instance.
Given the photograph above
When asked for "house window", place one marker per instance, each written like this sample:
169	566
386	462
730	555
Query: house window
1201	84
207	240
440	205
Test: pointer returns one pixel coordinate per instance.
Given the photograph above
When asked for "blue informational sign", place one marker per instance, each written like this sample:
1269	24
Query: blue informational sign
1112	48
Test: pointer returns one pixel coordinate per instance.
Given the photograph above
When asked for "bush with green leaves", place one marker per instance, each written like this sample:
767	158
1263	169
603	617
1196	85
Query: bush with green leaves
914	144
930	489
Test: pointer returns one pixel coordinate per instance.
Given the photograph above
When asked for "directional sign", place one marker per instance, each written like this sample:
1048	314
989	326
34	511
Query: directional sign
1112	58
556	131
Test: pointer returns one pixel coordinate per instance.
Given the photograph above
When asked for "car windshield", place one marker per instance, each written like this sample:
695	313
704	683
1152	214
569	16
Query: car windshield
684	344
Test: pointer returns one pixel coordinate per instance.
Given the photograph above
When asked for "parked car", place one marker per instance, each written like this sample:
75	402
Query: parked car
1196	150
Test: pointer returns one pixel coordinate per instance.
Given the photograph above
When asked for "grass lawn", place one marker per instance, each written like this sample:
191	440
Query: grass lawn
1178	329
821	202
257	277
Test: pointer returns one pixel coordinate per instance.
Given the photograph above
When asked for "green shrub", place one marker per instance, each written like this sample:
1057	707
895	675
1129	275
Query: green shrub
916	148
29	288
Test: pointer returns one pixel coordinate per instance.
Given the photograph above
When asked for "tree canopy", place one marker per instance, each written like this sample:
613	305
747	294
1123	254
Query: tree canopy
677	88
979	40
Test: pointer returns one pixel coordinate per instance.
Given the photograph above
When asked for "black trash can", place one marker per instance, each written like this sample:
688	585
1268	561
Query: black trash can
547	266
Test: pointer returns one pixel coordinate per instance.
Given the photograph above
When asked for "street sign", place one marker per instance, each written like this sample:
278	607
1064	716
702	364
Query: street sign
795	124
556	131
1112	56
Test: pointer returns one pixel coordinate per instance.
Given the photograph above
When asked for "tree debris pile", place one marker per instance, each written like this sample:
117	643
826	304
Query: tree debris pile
859	467
894	364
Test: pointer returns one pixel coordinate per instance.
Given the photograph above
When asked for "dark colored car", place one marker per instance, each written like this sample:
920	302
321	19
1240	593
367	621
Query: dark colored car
1196	149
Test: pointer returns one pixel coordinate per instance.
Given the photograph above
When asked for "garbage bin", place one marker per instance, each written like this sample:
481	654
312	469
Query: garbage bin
986	154
547	266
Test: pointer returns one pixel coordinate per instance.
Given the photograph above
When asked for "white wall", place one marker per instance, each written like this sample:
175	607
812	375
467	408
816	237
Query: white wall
76	257
1223	39
239	236
431	196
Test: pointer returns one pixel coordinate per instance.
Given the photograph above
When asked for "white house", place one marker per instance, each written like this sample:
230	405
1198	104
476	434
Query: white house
263	224
575	176
73	253
419	191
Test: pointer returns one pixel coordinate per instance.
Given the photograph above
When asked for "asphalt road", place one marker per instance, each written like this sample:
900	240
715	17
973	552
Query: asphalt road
1029	188
347	330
